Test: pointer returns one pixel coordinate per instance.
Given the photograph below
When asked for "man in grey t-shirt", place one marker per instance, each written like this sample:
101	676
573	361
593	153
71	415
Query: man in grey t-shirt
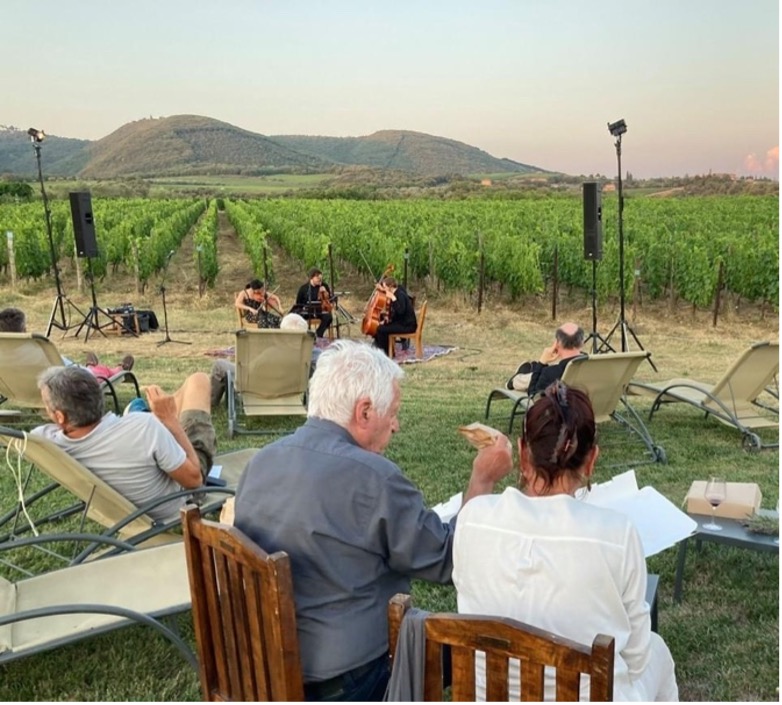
143	456
355	528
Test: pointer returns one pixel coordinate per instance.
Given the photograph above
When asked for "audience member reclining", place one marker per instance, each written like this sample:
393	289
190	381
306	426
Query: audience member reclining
143	456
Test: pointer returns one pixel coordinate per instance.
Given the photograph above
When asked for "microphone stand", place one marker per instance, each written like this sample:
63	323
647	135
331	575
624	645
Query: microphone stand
168	338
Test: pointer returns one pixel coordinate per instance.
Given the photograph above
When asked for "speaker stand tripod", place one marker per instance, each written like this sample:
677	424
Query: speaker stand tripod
599	343
91	319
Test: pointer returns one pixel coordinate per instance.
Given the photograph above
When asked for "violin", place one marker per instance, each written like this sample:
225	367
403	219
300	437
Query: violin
325	300
376	311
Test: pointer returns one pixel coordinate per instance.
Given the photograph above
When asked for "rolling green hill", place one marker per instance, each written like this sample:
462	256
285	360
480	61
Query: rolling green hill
190	144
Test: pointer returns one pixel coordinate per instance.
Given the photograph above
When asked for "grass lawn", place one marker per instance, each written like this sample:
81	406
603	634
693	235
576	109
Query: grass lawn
724	636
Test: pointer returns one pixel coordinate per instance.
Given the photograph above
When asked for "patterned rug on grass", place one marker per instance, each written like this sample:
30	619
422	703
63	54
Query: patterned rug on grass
403	357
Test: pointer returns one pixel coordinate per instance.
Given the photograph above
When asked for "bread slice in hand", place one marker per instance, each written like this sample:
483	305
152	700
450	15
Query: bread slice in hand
480	435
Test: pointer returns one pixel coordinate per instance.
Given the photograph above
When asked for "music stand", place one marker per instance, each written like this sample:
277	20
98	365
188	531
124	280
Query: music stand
167	338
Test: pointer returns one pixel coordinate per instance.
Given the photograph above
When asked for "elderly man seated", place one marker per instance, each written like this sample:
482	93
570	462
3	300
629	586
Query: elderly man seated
141	455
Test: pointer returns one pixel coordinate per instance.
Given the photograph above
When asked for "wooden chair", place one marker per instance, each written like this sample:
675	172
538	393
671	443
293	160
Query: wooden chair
244	615
240	319
417	336
502	639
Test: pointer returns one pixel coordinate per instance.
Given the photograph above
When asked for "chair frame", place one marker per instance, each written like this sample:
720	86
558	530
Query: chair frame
243	613
97	500
124	615
54	359
706	397
501	639
416	335
575	375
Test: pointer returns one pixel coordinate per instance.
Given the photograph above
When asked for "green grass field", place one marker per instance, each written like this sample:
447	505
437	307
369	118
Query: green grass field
724	636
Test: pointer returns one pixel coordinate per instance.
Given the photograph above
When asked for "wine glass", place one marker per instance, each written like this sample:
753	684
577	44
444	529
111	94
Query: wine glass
716	493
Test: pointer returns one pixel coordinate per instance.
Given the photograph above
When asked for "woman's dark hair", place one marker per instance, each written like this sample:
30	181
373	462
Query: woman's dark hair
559	431
255	284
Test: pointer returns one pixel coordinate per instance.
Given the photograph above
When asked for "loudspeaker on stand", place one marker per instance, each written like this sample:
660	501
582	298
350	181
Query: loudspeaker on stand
83	224
593	221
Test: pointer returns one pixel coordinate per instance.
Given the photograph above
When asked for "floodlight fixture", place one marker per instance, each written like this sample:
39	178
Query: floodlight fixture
618	128
36	135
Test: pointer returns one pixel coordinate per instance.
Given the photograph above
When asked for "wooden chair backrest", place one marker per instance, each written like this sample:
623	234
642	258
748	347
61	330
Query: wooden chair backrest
239	312
421	317
502	639
244	615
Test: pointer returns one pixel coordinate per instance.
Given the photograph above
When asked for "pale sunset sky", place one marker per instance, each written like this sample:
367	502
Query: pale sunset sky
697	81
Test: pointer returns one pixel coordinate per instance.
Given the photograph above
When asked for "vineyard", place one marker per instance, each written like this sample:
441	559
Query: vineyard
682	248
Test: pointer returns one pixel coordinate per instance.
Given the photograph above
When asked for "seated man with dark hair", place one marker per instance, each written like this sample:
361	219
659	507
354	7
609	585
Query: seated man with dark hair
141	455
568	343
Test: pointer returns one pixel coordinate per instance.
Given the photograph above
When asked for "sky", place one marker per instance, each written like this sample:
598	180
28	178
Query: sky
537	81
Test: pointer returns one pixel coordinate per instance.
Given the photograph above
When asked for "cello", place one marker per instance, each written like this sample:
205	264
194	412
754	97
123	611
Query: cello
377	306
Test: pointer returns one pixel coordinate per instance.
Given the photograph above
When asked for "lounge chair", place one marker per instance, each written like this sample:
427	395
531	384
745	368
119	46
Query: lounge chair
271	377
23	356
733	400
604	378
91	496
42	612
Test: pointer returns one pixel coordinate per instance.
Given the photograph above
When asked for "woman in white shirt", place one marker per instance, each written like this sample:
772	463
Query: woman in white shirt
542	557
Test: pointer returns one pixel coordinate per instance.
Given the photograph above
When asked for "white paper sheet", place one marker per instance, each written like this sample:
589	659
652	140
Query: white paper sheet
449	509
216	471
659	523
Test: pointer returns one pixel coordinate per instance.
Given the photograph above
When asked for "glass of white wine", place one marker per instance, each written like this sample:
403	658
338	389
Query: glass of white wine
716	493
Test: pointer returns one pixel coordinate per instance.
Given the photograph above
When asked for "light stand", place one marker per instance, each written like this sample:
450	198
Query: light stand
57	317
167	339
617	129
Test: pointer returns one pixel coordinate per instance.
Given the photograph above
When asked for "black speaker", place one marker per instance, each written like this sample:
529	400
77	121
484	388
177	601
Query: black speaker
593	221
83	224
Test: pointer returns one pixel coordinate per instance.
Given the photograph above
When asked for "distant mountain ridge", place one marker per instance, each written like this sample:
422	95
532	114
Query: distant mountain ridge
192	144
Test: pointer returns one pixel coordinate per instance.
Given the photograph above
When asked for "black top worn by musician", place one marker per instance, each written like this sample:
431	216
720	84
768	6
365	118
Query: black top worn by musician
401	319
308	305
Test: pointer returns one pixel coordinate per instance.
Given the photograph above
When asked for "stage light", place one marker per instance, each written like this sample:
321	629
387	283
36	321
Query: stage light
617	128
36	135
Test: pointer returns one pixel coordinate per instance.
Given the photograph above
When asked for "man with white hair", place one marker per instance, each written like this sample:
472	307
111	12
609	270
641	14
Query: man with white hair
355	528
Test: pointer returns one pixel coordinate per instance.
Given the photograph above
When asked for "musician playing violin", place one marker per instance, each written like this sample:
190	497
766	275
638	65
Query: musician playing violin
400	316
255	303
313	300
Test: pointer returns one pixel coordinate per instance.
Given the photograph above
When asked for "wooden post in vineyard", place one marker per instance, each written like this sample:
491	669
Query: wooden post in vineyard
481	272
555	284
9	237
636	287
717	295
134	247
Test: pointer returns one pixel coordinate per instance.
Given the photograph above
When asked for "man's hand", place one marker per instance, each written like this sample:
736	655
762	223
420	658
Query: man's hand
161	404
549	354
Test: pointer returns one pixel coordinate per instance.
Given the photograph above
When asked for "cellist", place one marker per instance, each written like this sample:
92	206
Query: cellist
401	313
313	300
